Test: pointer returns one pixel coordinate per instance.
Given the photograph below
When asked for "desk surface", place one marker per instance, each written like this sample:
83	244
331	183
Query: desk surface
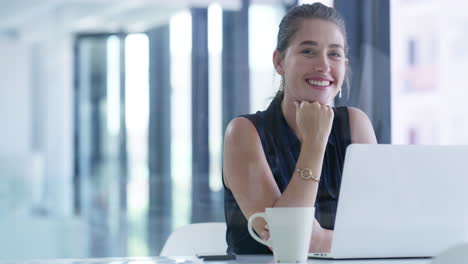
244	259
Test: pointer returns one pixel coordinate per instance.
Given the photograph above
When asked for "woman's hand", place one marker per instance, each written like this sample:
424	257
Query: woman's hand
265	235
314	122
321	239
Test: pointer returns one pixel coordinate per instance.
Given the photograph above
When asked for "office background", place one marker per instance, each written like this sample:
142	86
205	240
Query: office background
112	113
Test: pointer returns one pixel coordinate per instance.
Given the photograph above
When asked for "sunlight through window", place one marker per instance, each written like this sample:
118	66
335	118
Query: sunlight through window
264	81
113	86
215	43
136	116
181	109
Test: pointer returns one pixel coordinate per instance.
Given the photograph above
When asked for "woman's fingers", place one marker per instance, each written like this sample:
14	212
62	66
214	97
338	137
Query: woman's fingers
313	121
265	235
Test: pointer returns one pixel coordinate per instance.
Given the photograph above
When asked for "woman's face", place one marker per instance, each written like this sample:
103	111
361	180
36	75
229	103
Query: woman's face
314	64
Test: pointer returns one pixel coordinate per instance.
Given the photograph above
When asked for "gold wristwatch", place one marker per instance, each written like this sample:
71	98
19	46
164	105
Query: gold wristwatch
306	174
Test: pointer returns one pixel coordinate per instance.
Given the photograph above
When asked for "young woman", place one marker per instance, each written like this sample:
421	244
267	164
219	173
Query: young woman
292	154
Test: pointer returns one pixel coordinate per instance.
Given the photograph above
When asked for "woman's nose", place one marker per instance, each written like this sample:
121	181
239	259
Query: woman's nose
322	64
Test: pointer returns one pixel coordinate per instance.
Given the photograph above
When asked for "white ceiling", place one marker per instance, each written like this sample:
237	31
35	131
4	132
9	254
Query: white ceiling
36	16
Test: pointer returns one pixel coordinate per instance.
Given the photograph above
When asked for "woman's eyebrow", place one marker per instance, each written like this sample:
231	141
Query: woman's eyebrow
315	43
336	46
308	42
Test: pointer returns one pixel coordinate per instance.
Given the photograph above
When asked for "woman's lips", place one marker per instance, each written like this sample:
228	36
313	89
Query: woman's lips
320	84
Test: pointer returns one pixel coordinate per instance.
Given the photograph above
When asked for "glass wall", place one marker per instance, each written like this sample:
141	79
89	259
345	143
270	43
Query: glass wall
113	115
111	179
428	67
122	126
100	156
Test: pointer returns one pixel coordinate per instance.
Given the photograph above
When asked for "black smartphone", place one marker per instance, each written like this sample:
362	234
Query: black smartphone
216	256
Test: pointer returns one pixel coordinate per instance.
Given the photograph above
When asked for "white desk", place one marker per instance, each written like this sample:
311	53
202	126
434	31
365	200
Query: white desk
243	259
269	259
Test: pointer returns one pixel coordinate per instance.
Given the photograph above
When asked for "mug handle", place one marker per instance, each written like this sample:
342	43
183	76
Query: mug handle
252	233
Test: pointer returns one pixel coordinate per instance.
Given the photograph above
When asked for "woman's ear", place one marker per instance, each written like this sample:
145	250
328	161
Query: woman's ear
278	62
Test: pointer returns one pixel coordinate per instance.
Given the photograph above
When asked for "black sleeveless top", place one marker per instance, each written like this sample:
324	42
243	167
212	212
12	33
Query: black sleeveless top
281	148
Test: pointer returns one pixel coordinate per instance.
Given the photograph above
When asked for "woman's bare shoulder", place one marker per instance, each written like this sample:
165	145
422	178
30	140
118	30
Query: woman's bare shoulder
240	129
242	151
361	127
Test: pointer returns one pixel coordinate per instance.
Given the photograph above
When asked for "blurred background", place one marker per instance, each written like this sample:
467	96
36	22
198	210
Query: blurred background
113	112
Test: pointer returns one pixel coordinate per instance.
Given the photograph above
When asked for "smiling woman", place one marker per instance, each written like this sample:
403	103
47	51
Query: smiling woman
321	61
265	153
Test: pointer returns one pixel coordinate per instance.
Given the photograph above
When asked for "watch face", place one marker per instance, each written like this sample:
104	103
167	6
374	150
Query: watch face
306	174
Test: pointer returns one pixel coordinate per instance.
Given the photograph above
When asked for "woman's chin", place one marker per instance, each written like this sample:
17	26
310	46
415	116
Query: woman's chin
322	98
322	101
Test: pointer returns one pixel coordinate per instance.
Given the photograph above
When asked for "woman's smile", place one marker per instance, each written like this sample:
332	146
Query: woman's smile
319	83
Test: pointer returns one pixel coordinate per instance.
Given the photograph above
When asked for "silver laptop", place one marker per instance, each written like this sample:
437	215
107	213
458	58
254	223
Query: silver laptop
400	201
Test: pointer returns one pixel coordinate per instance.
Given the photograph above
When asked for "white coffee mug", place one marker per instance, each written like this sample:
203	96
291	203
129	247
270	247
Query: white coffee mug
290	232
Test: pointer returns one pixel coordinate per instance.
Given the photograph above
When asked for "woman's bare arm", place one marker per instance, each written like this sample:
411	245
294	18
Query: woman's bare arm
248	175
362	132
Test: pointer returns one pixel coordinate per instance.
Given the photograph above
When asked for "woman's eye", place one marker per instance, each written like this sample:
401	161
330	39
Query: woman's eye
335	54
308	51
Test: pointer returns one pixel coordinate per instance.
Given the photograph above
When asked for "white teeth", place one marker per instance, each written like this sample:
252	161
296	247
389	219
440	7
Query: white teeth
319	83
